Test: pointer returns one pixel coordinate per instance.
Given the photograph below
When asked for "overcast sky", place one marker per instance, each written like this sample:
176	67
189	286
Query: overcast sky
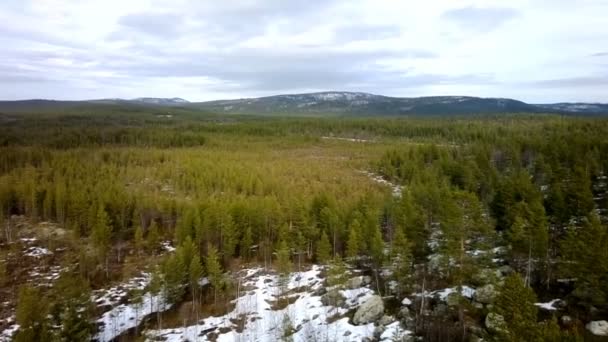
535	50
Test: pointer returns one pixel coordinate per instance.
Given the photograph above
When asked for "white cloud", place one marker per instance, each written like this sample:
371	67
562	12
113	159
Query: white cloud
533	50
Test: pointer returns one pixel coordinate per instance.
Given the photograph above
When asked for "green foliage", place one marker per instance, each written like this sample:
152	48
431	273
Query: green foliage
585	257
72	309
153	237
337	273
323	248
283	264
102	233
516	304
31	315
353	242
214	270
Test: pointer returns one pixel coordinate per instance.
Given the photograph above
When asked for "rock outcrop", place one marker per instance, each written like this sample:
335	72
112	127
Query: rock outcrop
370	311
598	328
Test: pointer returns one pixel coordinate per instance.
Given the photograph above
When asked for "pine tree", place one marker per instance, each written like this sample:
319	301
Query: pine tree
174	276
323	249
515	304
584	256
214	271
353	243
152	238
377	247
195	271
246	243
72	308
401	262
283	265
31	315
138	240
101	236
337	274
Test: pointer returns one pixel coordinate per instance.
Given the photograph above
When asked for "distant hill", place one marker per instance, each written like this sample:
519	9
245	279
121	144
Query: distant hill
352	103
366	104
335	103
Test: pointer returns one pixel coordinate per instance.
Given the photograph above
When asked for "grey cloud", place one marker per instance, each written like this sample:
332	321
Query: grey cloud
576	82
600	54
480	19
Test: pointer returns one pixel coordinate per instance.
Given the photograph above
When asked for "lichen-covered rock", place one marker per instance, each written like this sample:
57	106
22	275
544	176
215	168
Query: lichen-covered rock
386	320
486	294
598	328
355	283
370	311
487	276
495	322
333	298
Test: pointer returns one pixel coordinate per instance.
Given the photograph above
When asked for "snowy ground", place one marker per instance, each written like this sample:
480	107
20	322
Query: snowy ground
255	319
397	189
126	316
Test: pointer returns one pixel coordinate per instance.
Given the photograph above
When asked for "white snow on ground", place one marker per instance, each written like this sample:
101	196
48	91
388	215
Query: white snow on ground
167	246
261	322
37	252
347	139
116	294
125	317
7	334
443	294
394	332
397	189
550	305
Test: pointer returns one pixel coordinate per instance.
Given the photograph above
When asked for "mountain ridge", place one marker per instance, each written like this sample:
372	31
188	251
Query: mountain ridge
338	103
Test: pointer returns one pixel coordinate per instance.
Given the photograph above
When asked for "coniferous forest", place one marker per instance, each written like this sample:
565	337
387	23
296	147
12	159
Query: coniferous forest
127	223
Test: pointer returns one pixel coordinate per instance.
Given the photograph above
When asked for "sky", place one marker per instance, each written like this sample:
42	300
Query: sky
538	51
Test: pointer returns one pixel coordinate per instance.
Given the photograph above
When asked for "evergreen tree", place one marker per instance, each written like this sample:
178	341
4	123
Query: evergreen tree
246	243
584	256
102	235
214	271
152	238
323	249
195	272
138	240
516	304
401	262
337	274
72	308
31	315
353	243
